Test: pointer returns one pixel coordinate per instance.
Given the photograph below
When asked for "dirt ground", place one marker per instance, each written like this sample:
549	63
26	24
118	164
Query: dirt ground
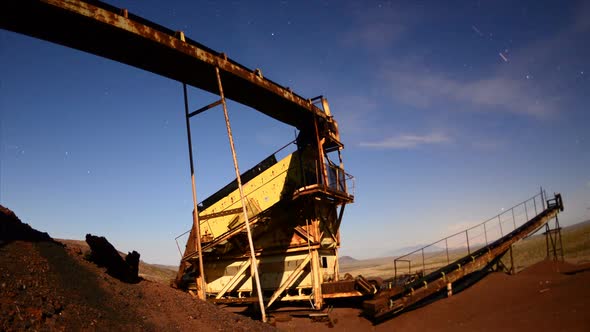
547	296
46	285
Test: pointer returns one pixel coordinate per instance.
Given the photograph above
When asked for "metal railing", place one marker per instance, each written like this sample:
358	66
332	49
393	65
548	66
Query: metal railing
447	250
339	180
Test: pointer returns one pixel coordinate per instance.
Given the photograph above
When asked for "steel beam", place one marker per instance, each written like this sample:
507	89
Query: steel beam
201	283
242	197
116	34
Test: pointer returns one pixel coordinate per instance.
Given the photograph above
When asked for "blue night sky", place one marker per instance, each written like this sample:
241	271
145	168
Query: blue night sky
448	112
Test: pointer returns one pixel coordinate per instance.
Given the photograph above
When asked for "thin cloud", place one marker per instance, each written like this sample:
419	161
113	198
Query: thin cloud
488	144
530	83
407	141
375	35
415	87
582	19
378	27
354	113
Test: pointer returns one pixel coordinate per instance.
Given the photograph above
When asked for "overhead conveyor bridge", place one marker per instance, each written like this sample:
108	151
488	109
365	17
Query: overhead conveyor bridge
401	295
114	33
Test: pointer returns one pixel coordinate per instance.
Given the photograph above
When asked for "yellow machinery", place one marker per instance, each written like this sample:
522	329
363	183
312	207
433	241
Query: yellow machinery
295	207
285	214
288	210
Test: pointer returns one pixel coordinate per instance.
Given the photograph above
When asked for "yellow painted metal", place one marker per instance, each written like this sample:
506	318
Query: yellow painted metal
274	271
262	192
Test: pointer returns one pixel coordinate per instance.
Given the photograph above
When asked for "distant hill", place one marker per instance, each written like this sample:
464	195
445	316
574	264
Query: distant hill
406	250
347	260
165	267
403	250
580	224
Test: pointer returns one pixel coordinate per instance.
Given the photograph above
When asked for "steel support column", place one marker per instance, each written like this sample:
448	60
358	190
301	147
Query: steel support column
201	284
318	300
242	198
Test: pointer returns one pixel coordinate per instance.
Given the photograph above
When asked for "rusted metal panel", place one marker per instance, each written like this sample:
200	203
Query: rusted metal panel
113	33
344	286
235	300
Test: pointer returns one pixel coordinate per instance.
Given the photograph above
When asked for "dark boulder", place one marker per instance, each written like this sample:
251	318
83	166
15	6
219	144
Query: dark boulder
104	254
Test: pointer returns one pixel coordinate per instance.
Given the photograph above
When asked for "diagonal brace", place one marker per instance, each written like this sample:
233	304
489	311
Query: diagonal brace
204	108
294	275
234	279
308	237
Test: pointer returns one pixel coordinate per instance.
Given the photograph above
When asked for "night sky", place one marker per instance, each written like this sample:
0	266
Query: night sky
449	112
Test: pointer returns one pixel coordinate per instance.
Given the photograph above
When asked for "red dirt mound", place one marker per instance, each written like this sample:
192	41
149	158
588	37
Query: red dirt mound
48	286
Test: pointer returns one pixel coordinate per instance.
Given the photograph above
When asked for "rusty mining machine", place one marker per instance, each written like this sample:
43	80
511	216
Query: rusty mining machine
272	234
295	206
285	214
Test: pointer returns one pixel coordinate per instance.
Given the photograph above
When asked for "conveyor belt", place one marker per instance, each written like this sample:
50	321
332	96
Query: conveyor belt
113	33
392	301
